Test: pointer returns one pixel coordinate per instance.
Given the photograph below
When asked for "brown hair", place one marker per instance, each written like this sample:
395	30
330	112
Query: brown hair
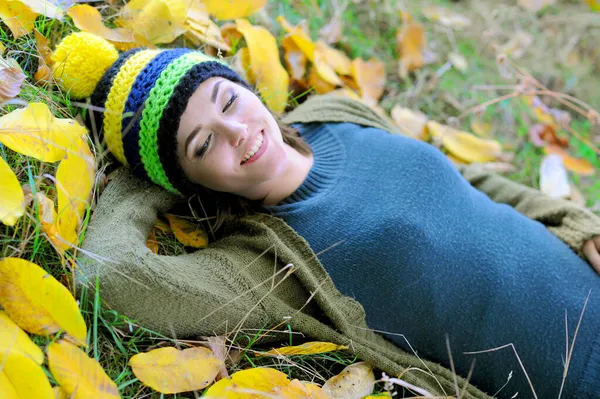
217	207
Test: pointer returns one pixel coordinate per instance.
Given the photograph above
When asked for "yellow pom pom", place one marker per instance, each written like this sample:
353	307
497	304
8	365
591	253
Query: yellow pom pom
80	60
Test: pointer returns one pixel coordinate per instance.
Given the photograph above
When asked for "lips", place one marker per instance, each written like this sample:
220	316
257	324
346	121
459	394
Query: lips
261	150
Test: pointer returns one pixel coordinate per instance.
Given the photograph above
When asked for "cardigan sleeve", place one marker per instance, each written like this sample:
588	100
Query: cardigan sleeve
571	223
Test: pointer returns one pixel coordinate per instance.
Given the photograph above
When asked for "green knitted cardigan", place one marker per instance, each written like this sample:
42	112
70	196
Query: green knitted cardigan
261	274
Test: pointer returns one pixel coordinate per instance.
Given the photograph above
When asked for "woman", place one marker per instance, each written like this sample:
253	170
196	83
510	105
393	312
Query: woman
435	264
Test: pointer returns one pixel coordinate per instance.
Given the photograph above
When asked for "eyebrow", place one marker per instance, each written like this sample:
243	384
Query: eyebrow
215	91
189	139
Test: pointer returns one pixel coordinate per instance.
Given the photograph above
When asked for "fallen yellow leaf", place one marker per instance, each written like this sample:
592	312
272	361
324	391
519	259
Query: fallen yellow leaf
13	339
354	382
88	19
46	8
201	29
576	165
21	377
12	199
33	131
370	78
59	393
412	123
308	348
411	43
169	370
78	375
320	85
335	58
233	9
18	17
465	145
272	80
294	58
158	21
37	302
300	390
244	382
49	219
187	232
74	183
11	79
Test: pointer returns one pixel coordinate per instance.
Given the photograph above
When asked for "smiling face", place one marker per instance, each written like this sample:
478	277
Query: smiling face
228	141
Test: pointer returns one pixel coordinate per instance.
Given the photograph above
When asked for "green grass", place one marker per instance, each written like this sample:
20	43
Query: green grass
369	30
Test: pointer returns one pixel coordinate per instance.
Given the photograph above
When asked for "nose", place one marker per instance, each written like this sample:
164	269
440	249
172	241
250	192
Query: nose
235	132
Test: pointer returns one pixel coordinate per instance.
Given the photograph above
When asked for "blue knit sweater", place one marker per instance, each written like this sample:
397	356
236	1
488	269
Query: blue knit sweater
429	256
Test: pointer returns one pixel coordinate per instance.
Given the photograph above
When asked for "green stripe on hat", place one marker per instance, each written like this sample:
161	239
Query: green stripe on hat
158	99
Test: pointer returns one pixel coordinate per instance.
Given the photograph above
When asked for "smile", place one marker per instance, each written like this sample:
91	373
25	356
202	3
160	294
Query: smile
258	148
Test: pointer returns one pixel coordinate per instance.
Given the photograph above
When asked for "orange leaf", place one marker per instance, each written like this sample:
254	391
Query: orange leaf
320	85
188	233
576	165
336	59
370	78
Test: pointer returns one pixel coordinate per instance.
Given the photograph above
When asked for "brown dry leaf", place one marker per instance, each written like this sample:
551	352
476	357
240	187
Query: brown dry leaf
158	21
188	233
169	370
11	79
44	73
517	45
354	382
88	19
553	177
308	348
295	59
542	134
318	83
233	9
465	145
151	242
17	16
332	32
219	350
412	123
411	43
576	165
370	78
201	29
272	80
535	5
336	59
446	17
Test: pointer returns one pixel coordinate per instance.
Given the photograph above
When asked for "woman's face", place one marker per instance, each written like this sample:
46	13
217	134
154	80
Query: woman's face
228	141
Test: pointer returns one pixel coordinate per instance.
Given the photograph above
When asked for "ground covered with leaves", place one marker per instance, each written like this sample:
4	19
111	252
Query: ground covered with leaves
513	86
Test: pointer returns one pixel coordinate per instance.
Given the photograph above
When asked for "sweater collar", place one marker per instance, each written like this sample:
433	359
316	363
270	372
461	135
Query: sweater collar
329	155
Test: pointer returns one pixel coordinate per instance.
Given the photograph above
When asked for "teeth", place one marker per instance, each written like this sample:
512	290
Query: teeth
257	144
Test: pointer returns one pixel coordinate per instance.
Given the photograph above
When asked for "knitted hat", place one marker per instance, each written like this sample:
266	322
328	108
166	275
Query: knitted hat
143	93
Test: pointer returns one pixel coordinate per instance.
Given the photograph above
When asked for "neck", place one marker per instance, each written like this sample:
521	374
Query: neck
296	170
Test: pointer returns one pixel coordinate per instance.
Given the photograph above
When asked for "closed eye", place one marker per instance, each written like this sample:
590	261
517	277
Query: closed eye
202	150
234	96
